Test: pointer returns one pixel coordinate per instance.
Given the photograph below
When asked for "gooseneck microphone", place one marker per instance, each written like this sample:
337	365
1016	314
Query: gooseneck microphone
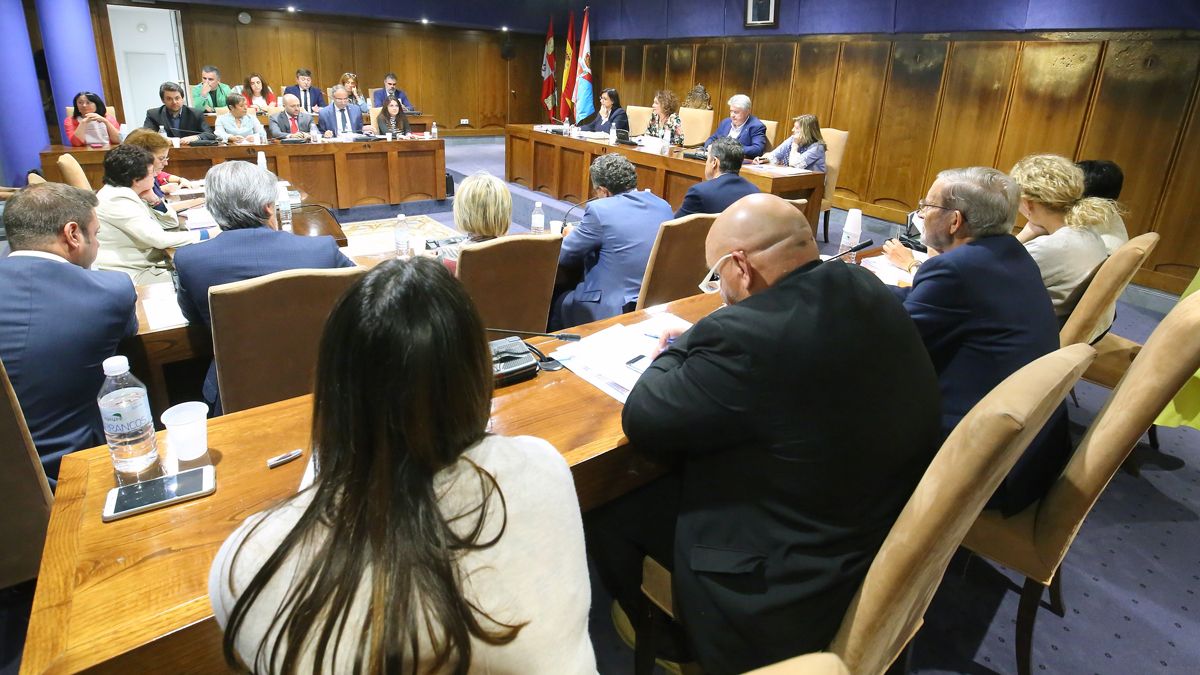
564	218
565	337
854	249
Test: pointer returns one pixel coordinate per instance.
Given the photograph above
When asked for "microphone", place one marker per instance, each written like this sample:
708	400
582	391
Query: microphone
565	337
564	219
855	249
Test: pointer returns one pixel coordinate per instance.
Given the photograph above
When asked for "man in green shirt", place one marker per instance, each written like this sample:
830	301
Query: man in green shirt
211	92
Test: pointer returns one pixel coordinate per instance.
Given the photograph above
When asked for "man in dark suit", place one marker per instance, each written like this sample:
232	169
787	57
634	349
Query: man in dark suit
177	119
795	454
342	117
983	312
292	121
311	98
58	319
390	91
241	198
722	185
742	126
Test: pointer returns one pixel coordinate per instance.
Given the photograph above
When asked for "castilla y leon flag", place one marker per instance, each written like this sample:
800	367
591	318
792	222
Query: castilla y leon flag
584	105
548	71
566	101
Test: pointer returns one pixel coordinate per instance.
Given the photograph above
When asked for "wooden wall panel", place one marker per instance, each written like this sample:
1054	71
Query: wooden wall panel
971	115
610	71
856	104
737	76
524	92
772	84
335	55
1177	257
1139	108
256	46
812	87
212	40
463	81
679	69
296	50
709	62
906	130
654	70
492	103
1049	100
632	67
372	59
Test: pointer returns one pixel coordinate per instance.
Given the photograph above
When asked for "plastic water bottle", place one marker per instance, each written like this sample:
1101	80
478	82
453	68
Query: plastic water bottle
537	223
162	131
400	235
128	425
851	232
433	130
262	160
283	207
314	133
612	135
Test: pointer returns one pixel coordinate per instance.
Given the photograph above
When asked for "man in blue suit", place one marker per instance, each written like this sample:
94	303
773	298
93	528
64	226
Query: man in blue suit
390	91
58	319
311	98
983	312
342	117
722	185
612	245
741	125
241	198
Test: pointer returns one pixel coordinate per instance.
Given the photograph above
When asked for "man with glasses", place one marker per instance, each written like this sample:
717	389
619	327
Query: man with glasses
801	418
343	117
983	312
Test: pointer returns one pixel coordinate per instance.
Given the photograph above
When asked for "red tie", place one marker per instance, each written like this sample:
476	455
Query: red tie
295	129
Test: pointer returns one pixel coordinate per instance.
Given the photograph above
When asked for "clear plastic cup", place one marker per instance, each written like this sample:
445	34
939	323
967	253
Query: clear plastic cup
187	432
556	227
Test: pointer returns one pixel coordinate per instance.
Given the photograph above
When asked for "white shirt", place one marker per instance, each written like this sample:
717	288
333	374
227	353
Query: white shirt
735	131
40	254
1066	259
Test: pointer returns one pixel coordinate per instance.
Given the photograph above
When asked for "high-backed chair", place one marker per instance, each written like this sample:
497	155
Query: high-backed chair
32	178
27	497
1184	408
371	93
266	332
639	119
819	663
107	109
695	125
1035	541
72	173
676	266
889	606
373	113
835	150
772	126
511	280
1106	286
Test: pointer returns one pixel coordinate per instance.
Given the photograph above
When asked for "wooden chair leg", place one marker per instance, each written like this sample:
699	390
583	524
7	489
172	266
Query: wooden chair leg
1153	432
1031	598
1056	598
643	647
827	226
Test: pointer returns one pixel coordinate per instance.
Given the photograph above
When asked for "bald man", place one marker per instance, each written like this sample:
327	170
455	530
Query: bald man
800	417
292	121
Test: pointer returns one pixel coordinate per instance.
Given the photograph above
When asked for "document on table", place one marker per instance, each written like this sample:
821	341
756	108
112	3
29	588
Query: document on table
613	359
889	273
199	218
369	243
776	170
163	312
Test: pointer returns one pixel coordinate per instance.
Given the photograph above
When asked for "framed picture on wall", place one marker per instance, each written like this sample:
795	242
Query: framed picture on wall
762	13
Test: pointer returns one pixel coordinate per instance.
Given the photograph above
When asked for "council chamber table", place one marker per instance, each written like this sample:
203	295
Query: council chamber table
559	166
335	175
131	596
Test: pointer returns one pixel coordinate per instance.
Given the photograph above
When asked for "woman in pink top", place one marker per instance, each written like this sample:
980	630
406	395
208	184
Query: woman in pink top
91	124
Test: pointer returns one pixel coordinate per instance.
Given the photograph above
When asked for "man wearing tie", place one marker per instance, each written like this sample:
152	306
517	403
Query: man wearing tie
343	116
311	98
291	122
390	91
211	92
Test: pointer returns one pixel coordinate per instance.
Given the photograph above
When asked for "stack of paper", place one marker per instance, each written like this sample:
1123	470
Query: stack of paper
613	359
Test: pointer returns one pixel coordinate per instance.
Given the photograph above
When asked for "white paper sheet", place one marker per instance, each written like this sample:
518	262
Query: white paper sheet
889	273
199	218
775	170
613	359
163	313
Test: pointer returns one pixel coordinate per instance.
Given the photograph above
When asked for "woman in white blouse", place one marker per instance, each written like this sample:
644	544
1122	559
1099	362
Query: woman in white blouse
239	125
425	544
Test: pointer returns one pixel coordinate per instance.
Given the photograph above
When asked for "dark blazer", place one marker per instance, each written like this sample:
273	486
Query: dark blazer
315	96
753	136
714	196
238	255
380	95
190	122
797	455
983	314
327	118
617	118
58	322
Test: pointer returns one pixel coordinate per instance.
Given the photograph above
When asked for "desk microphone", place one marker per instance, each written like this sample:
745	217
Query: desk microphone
565	337
855	249
564	218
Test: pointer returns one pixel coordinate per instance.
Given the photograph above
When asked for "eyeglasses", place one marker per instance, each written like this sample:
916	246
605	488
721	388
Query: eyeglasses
712	280
922	205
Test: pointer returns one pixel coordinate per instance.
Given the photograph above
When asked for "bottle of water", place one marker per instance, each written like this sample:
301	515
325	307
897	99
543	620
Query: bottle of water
314	133
537	224
283	207
433	130
400	235
162	131
612	135
262	160
128	425
851	232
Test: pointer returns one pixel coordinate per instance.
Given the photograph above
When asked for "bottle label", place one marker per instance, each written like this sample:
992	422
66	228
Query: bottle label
124	419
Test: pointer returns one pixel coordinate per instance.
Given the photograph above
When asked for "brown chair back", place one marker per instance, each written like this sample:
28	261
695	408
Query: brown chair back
266	333
772	126
817	663
32	178
27	497
639	119
72	173
676	264
695	125
511	280
1106	286
835	150
1168	359
889	606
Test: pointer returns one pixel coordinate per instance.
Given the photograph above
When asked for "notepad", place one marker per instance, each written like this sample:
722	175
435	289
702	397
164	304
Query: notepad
163	313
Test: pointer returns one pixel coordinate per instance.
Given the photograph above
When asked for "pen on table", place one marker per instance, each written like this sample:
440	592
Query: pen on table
280	460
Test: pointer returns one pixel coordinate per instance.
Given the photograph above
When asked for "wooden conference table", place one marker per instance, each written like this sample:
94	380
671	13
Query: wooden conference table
334	175
418	124
131	596
559	166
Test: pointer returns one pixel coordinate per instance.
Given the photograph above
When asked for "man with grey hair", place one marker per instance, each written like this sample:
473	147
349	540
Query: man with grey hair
241	198
742	127
343	117
211	92
58	319
983	312
722	185
611	246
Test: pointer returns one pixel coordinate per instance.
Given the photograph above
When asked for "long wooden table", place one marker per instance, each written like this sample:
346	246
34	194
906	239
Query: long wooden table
132	596
418	124
335	175
559	166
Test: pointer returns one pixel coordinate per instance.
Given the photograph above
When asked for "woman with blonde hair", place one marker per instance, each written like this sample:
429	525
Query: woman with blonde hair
664	117
1062	234
482	209
804	149
350	82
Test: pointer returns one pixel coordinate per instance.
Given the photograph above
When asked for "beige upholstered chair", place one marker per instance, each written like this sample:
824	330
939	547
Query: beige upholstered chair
32	178
819	663
373	113
835	150
71	172
1035	541
27	497
695	125
676	266
639	119
772	126
371	93
511	280
1106	286
890	605
108	109
266	332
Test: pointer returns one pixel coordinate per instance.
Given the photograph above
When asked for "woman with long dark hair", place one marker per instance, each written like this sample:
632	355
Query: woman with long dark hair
425	544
